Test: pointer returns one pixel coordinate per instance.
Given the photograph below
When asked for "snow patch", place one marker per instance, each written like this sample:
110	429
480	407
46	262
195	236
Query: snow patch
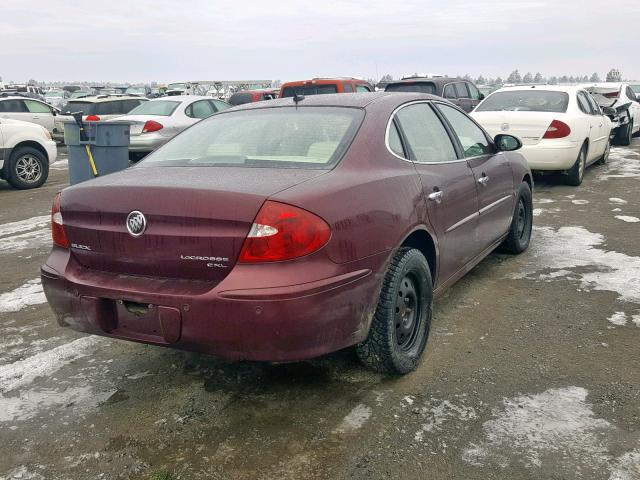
617	201
556	251
23	372
60	165
553	427
24	225
542	201
627	219
440	412
30	233
21	473
618	318
636	320
28	294
622	163
355	419
627	467
580	202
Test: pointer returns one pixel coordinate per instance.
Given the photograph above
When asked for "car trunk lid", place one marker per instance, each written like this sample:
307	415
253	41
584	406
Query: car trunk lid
529	127
197	218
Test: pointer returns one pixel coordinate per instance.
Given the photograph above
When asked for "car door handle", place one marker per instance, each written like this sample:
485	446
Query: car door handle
35	117
436	196
483	180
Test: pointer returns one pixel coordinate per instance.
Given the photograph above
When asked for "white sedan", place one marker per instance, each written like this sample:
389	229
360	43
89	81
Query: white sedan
562	128
155	122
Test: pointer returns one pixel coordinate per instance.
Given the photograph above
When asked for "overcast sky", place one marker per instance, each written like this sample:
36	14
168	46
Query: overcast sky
144	40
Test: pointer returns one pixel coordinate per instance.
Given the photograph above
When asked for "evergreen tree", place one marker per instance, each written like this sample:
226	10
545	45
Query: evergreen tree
595	77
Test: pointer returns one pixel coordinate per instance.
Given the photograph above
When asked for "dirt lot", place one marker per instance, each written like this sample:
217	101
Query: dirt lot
532	371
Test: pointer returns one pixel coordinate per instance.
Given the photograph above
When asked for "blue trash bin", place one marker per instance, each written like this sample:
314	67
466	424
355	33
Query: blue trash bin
108	143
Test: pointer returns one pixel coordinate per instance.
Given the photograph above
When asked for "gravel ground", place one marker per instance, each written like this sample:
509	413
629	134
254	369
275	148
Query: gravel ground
532	371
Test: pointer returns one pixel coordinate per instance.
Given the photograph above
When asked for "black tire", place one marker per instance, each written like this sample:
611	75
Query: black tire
28	168
576	173
605	156
519	235
625	134
400	326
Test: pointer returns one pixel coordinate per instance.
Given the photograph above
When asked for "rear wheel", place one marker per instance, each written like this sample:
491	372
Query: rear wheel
28	168
576	173
402	319
519	235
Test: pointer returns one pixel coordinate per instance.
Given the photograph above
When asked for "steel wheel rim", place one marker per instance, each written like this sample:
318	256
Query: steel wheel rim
521	222
407	316
28	169
581	166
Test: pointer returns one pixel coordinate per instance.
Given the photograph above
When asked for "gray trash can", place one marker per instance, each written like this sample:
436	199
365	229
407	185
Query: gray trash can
108	143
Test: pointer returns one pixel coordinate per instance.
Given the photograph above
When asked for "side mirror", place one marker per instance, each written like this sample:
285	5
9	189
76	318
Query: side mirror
609	111
507	143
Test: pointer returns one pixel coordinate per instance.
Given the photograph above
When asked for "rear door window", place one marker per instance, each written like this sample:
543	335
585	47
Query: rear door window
595	108
428	140
395	143
473	91
583	103
200	109
461	90
362	88
473	140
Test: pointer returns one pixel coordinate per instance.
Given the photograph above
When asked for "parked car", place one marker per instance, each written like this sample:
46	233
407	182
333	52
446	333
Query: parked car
249	96
34	111
30	91
623	100
102	107
185	88
319	86
241	236
155	122
26	151
458	91
56	98
561	128
140	91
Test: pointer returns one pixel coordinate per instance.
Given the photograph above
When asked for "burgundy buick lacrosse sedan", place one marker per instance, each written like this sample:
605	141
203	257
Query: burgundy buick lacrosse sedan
284	230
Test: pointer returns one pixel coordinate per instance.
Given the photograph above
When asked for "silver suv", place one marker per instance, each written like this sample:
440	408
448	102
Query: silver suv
102	107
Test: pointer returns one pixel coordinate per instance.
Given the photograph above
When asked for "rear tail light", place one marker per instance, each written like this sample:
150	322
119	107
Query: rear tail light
58	234
152	126
283	232
93	118
611	94
557	129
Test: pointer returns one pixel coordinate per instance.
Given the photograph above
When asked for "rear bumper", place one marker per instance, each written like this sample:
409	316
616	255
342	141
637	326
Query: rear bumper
548	156
146	142
283	323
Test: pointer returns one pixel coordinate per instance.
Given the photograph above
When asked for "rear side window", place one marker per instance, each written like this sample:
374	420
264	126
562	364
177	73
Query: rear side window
525	101
37	107
461	90
348	88
583	103
395	144
310	90
427	138
449	91
362	88
420	87
595	108
13	106
473	140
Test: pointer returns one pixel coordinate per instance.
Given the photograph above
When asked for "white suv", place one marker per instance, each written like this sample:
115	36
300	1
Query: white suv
26	151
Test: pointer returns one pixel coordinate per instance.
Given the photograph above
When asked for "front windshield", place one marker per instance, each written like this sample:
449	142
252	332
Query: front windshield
160	107
525	101
287	137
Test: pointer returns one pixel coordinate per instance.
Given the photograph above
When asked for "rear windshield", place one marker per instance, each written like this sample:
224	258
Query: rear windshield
240	98
286	137
161	107
310	90
525	101
420	87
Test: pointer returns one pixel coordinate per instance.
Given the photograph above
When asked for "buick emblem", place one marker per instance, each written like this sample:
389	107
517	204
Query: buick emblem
505	127
136	223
